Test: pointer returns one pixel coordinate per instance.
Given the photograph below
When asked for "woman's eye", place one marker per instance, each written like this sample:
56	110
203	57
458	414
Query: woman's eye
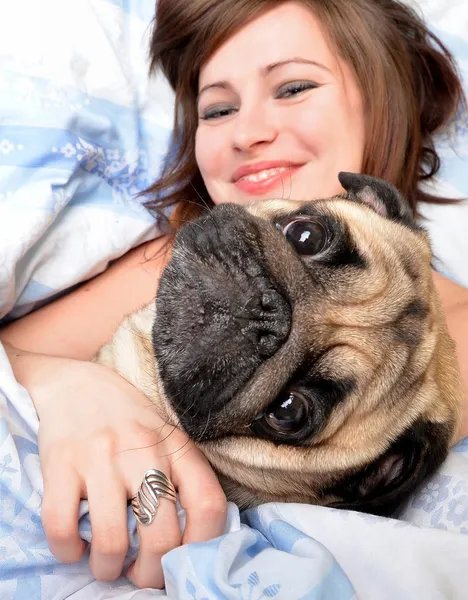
292	89
217	112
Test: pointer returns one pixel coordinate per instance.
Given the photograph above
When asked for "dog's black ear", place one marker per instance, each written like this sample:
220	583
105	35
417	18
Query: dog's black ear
381	196
381	487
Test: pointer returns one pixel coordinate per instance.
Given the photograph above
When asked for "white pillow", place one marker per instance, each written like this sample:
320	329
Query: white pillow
448	225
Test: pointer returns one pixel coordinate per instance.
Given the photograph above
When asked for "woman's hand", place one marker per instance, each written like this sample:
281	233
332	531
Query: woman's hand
98	436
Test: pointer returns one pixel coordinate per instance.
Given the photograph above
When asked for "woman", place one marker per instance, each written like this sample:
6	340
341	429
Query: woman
276	98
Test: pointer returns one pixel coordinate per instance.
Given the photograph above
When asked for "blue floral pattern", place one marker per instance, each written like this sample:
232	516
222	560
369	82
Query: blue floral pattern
442	502
434	492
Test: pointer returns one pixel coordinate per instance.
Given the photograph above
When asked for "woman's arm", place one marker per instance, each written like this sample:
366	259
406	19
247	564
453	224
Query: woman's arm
78	324
455	303
89	420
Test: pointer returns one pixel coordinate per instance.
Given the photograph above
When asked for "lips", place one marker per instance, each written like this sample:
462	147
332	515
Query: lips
261	177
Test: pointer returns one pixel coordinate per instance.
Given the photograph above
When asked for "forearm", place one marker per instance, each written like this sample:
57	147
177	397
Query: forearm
455	303
457	321
78	324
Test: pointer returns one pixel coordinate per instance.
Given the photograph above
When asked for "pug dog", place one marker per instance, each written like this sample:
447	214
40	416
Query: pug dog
303	348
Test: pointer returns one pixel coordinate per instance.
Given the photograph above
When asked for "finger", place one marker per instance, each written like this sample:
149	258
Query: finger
107	497
156	539
202	497
59	513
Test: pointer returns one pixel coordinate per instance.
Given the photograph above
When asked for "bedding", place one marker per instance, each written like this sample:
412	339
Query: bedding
82	131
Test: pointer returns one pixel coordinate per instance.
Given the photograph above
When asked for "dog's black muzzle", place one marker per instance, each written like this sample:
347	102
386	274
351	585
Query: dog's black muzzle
219	314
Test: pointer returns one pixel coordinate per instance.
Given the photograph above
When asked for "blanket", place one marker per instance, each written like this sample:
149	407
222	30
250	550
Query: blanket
82	132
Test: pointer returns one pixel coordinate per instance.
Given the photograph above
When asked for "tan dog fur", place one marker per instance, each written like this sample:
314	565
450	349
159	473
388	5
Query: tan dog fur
405	370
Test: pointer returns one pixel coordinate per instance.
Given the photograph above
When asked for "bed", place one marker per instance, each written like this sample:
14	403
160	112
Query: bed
82	131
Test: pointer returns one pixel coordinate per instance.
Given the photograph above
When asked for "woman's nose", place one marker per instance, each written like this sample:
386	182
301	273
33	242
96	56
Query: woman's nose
253	126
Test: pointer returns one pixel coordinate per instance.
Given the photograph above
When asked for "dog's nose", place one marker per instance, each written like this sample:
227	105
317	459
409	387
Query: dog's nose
235	308
266	320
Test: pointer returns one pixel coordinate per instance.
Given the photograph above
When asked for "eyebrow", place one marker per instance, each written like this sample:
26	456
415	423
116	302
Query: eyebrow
224	85
298	60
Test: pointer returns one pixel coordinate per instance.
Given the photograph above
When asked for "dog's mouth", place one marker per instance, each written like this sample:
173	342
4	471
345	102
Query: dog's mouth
219	317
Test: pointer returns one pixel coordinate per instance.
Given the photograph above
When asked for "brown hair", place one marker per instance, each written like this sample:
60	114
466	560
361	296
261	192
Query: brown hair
407	77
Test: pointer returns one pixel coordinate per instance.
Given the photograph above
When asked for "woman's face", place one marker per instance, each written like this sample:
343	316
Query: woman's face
279	113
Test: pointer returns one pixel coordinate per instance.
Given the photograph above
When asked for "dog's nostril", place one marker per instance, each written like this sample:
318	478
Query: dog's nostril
265	320
254	304
270	300
268	344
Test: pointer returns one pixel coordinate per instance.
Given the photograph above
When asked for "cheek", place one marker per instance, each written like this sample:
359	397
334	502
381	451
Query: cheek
209	152
334	129
351	126
310	126
329	116
353	143
201	153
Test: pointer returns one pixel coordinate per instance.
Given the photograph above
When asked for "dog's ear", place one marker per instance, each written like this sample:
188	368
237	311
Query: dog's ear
381	487
381	196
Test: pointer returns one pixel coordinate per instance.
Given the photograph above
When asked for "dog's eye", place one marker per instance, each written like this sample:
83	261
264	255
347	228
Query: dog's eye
287	414
286	417
308	236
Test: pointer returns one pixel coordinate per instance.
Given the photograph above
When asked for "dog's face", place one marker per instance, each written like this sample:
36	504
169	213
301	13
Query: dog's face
302	347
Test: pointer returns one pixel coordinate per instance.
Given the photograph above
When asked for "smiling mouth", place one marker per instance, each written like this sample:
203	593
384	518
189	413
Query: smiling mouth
264	175
266	180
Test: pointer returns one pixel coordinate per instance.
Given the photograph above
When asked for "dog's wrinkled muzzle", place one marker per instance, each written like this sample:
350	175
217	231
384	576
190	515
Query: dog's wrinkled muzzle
219	314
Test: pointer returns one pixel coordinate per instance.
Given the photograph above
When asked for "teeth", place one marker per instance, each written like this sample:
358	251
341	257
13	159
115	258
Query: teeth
262	175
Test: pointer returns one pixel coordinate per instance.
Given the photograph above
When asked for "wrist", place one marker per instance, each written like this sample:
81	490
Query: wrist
39	374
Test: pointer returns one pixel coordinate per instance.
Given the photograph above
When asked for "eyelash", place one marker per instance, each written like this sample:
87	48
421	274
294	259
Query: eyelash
295	88
287	91
217	113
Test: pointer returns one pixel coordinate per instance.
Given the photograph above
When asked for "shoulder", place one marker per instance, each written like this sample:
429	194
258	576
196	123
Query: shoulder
454	297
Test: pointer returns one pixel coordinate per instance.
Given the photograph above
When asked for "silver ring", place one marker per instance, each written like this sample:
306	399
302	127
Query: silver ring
145	503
